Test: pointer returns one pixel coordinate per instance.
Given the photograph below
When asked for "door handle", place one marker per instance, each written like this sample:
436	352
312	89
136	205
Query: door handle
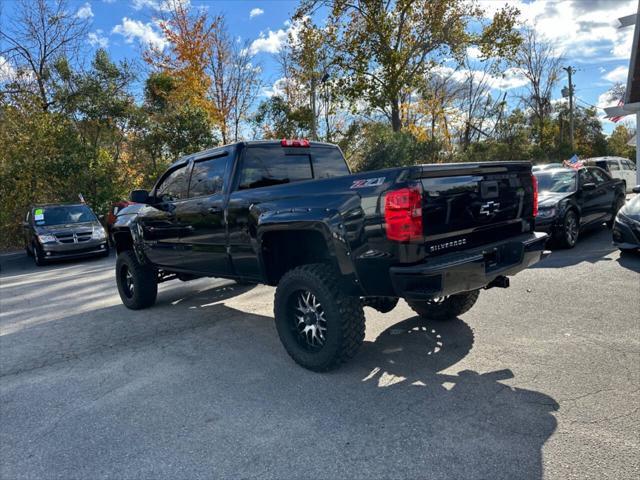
214	209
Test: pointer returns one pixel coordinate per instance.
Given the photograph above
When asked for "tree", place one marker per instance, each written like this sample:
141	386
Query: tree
540	63
44	33
385	48
235	81
277	118
618	143
188	54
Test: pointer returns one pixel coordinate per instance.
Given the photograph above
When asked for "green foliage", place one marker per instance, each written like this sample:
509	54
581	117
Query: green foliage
617	143
381	147
275	118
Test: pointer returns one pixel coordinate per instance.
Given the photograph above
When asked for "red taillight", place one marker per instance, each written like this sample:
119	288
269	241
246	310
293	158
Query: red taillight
534	183
295	143
403	214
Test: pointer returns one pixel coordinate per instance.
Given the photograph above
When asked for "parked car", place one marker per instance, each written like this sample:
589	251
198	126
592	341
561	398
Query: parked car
111	216
55	231
571	201
290	214
617	167
626	229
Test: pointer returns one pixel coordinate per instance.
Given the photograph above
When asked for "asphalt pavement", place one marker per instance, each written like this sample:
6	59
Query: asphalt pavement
537	381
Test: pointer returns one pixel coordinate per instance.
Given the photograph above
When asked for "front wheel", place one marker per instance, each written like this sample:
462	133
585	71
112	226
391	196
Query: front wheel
319	326
38	255
445	308
137	283
567	235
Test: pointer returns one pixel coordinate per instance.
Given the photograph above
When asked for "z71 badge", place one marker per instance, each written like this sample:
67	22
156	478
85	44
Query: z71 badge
368	182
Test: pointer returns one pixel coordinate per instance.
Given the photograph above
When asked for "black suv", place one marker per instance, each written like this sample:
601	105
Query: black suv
56	231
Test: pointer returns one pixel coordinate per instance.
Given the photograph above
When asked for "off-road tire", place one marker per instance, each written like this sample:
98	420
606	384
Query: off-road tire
446	309
343	313
562	237
143	277
617	205
381	304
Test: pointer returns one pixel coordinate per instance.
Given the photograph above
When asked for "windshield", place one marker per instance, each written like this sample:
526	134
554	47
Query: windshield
559	181
46	216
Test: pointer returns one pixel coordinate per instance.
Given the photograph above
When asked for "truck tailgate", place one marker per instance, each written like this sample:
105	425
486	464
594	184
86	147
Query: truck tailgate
467	205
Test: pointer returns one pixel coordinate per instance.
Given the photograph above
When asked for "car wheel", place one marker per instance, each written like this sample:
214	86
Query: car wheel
319	326
616	206
38	255
137	283
445	308
381	304
568	234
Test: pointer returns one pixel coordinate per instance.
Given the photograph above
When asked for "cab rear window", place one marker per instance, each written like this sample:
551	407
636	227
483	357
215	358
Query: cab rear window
264	166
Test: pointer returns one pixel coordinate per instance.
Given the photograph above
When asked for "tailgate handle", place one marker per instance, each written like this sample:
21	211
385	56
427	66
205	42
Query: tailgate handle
489	189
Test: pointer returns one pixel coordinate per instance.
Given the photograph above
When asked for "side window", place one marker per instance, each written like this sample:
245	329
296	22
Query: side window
207	177
628	165
600	176
613	165
328	162
266	166
585	177
174	186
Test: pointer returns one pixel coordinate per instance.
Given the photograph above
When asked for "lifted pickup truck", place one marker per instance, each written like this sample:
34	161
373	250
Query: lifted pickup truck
290	214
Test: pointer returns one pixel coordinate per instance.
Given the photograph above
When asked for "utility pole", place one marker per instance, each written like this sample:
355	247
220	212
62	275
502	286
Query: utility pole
570	71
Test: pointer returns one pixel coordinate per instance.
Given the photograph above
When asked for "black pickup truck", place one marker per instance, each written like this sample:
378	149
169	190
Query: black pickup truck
290	214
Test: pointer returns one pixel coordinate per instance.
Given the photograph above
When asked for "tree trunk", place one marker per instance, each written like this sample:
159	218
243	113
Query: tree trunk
396	123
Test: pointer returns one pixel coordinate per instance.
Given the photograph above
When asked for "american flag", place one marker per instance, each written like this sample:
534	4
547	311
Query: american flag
618	118
573	162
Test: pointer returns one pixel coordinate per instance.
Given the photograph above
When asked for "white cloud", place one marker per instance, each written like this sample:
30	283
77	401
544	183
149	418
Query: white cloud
255	12
7	72
274	41
618	74
85	11
159	5
143	32
474	52
509	79
271	43
96	39
580	28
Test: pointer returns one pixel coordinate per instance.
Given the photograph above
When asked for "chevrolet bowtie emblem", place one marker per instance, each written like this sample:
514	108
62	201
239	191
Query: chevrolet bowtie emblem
489	208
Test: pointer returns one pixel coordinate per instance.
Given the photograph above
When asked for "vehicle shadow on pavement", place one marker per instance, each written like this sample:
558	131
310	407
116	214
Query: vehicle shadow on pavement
196	388
630	260
593	246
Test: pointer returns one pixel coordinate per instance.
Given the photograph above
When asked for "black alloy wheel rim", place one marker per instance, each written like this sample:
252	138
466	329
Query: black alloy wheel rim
571	229
308	320
126	279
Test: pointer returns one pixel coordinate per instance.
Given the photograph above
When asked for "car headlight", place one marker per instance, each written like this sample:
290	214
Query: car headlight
547	212
98	233
47	238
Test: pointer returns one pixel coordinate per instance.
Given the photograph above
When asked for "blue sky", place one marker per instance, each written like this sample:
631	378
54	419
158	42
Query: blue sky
585	31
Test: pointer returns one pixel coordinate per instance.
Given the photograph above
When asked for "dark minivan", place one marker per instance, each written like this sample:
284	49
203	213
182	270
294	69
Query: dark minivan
63	231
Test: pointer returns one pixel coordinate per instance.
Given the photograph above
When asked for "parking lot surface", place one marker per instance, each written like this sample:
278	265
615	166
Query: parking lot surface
537	381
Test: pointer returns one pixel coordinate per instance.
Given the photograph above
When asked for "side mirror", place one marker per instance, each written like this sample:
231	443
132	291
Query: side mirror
589	186
139	196
636	189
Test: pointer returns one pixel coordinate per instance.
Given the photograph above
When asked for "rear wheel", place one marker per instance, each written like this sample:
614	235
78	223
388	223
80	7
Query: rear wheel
319	326
568	233
137	283
445	308
617	205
